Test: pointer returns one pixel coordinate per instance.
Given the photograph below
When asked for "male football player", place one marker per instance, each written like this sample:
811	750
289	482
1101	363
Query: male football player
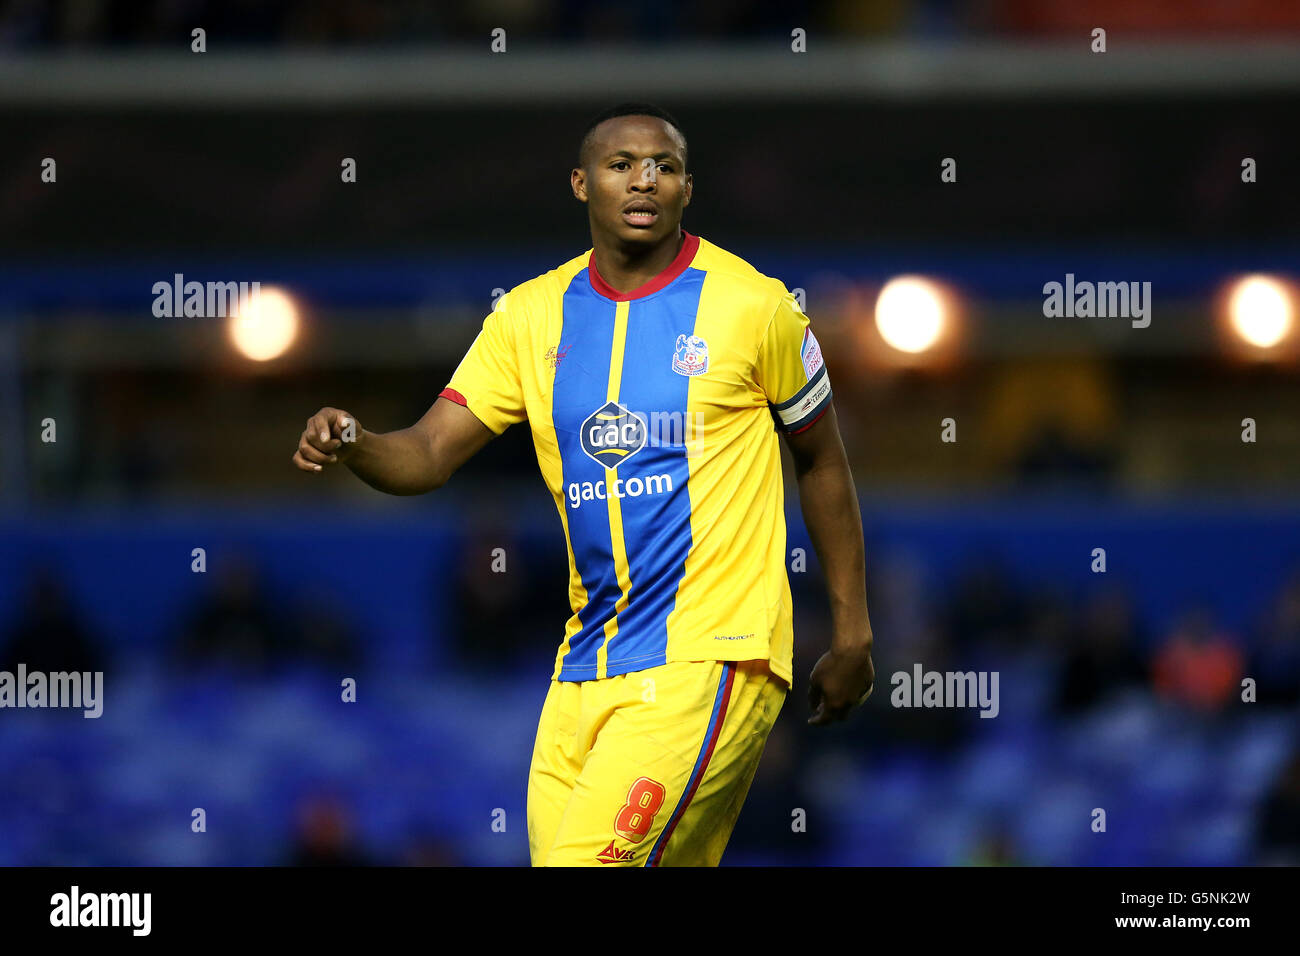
656	371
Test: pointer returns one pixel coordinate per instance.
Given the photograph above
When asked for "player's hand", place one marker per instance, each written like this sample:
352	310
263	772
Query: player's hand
841	681
331	436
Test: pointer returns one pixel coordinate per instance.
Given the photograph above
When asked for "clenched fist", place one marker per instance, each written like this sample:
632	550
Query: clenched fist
331	436
841	681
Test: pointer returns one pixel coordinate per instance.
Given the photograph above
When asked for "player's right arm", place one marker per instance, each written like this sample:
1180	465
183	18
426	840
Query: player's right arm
406	462
488	395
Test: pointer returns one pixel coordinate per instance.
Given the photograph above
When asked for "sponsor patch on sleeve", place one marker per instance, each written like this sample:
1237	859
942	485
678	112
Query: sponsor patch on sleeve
811	353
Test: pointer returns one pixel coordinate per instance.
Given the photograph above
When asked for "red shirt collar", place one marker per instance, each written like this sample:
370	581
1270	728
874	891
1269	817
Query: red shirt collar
690	245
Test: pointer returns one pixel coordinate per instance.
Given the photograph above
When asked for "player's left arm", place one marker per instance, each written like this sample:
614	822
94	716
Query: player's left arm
845	675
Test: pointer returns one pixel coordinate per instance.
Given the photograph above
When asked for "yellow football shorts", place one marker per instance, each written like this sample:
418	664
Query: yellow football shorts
648	768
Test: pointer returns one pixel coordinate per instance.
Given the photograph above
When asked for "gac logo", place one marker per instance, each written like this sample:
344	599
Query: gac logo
612	434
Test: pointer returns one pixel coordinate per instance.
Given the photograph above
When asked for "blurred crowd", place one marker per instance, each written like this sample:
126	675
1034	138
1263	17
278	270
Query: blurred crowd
1089	655
1182	725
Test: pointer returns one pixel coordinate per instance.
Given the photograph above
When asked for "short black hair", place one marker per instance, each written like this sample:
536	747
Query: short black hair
630	109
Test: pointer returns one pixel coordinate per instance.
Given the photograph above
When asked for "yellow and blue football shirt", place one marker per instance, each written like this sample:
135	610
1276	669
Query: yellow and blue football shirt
655	414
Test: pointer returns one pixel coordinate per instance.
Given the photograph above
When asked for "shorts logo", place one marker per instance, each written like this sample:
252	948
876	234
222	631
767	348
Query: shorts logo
612	854
612	434
692	355
811	353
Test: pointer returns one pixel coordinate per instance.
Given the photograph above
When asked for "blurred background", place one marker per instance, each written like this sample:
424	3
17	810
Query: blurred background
132	439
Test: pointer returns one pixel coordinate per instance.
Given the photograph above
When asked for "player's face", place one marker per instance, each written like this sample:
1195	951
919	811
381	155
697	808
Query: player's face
635	184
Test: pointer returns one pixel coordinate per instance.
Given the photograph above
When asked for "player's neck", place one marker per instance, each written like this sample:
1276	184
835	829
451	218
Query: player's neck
627	269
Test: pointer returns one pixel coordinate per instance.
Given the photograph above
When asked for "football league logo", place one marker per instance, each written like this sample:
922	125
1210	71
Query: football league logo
612	434
811	353
692	355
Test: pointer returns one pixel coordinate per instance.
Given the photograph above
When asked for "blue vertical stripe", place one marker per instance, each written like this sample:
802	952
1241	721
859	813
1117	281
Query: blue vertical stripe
656	527
581	384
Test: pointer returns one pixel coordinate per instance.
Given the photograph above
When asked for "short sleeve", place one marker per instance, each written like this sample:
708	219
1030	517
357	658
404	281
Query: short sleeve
488	380
790	369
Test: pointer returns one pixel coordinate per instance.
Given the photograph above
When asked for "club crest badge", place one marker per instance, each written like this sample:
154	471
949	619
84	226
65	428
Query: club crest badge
692	355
